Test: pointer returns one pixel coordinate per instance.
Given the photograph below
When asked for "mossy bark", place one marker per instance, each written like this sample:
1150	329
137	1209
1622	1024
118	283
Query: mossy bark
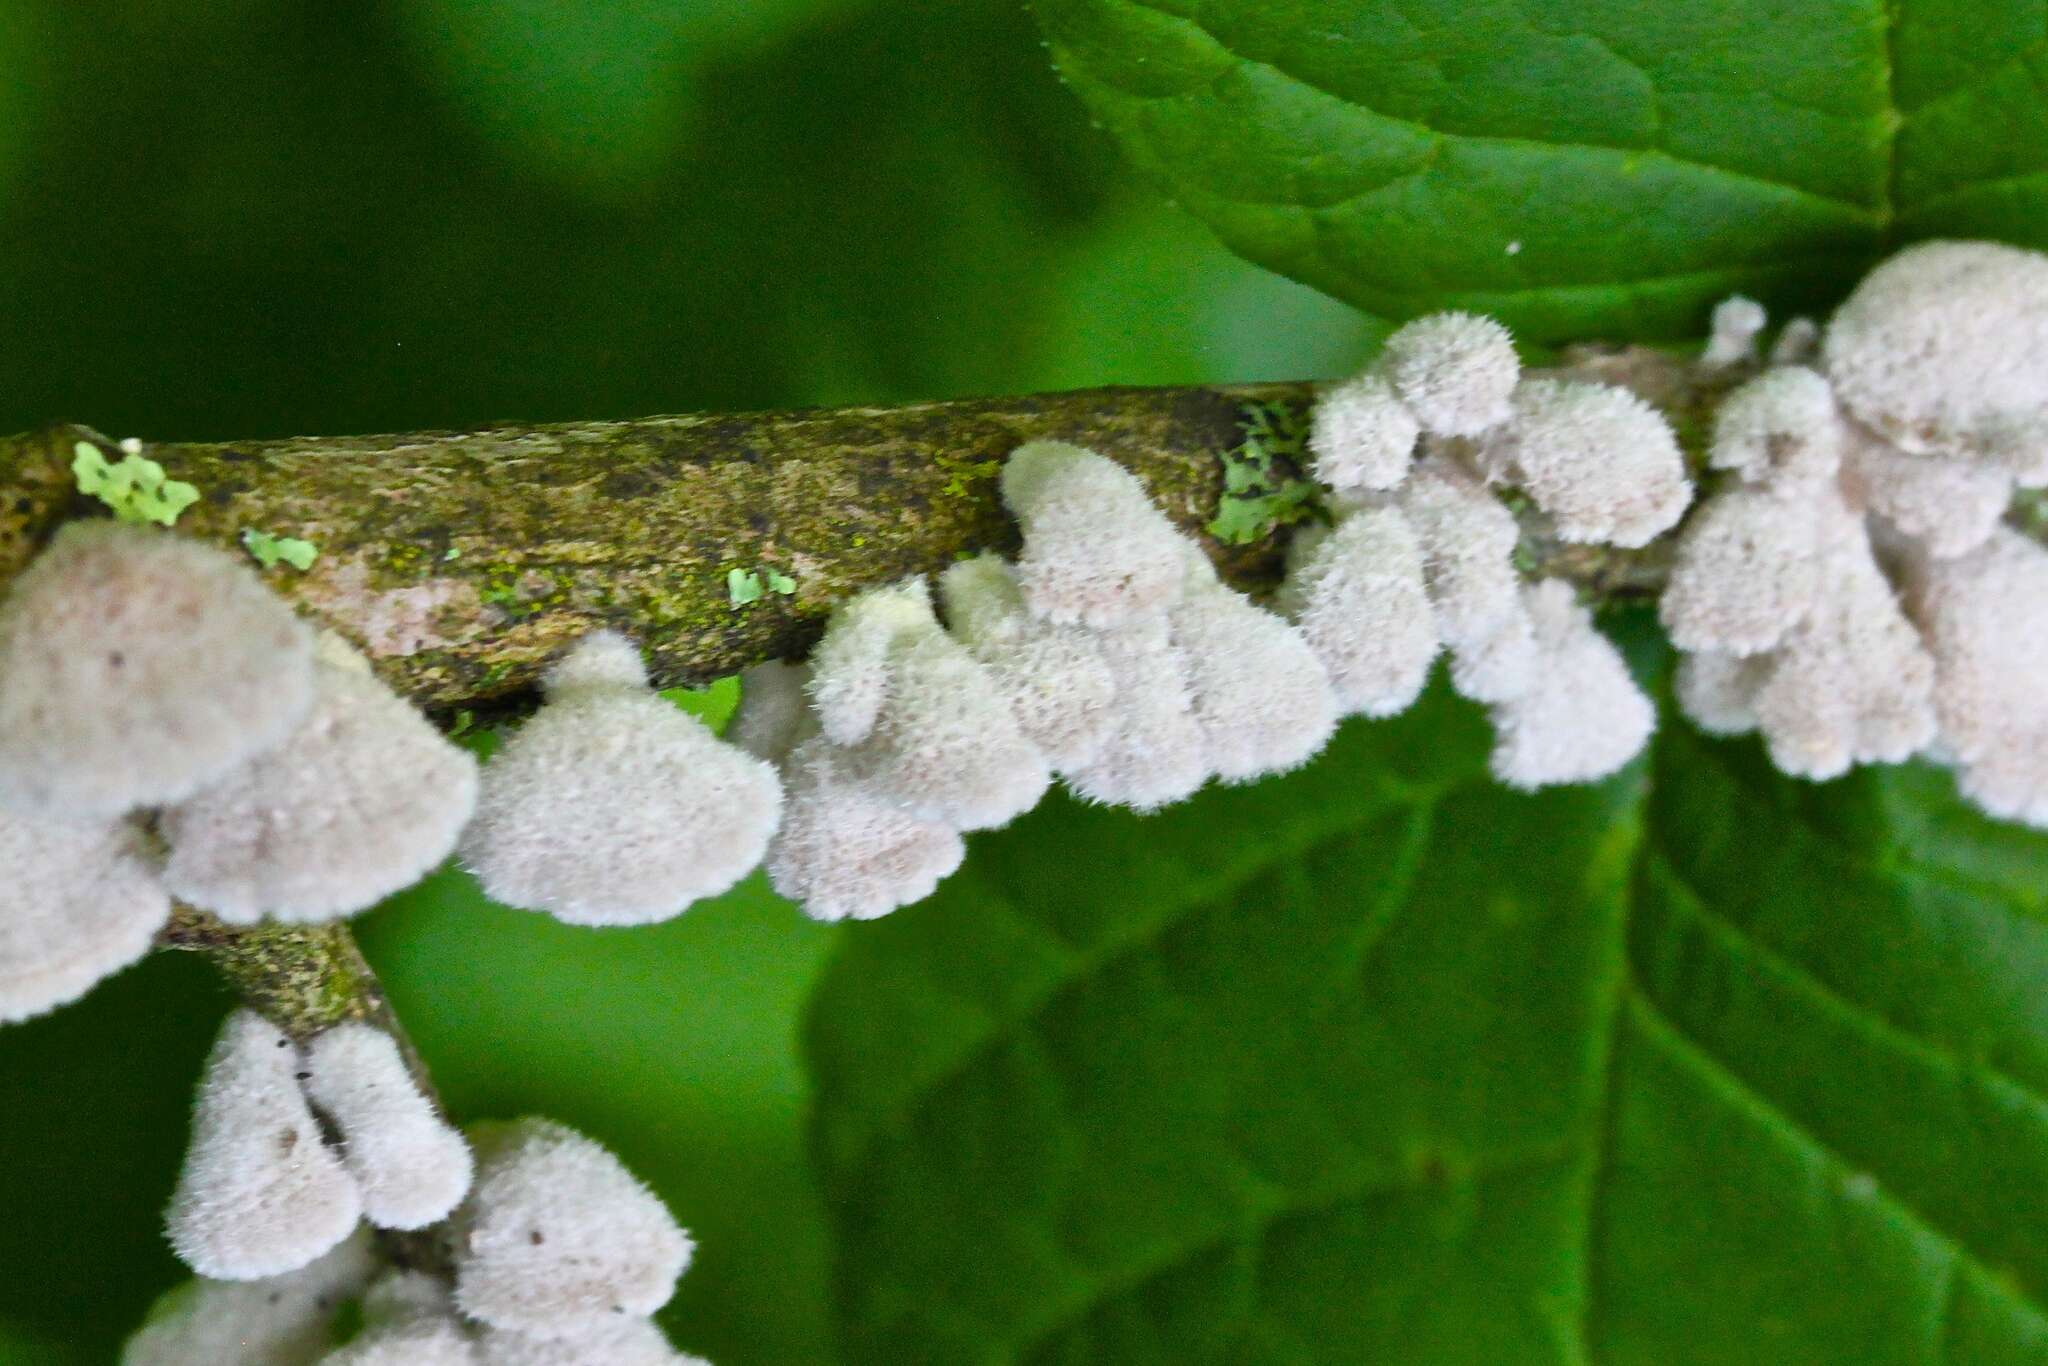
461	562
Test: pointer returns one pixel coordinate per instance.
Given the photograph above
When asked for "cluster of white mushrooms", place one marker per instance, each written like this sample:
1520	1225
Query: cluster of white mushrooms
1858	591
1855	586
554	1254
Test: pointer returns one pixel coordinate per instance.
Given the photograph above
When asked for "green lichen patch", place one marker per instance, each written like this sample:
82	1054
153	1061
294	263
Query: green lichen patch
1263	487
136	488
272	550
744	586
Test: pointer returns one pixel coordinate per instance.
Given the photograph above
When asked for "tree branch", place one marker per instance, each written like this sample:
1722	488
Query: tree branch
461	562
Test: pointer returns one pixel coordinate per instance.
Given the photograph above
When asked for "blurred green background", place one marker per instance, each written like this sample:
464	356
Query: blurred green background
254	217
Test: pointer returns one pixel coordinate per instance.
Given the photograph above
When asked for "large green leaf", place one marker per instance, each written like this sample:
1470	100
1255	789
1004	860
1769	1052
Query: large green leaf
1380	1062
1578	166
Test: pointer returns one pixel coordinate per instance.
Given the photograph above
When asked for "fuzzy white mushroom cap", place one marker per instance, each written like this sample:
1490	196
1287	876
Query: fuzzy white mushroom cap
1455	371
1096	550
1733	330
1357	594
851	677
1943	349
1781	428
1057	684
1852	683
261	1193
1984	617
1361	435
773	705
630	1342
1258	692
1155	752
1717	692
1583	716
1949	507
845	852
410	1165
361	800
603	661
611	806
409	1319
1746	572
79	901
1602	462
136	665
942	741
557	1237
284	1320
1468	543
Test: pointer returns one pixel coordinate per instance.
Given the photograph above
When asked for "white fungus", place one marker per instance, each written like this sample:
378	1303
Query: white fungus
1732	332
1780	428
409	1319
1985	620
1096	550
1746	572
79	900
1851	684
1943	350
261	1194
1054	677
135	666
1717	692
1257	691
410	1165
1155	753
283	1320
939	736
1797	344
1602	462
611	806
1583	716
772	709
360	800
630	1342
1357	594
1468	543
845	851
1361	435
1455	371
1948	506
557	1238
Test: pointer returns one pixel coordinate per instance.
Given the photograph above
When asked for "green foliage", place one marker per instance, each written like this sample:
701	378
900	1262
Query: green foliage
1259	495
135	489
1577	168
1713	1068
271	550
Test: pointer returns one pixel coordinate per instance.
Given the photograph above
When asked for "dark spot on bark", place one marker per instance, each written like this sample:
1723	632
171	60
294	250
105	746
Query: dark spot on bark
288	1141
536	1238
630	484
116	659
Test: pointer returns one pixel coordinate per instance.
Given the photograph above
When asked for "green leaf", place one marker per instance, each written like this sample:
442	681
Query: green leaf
1581	167
1381	1062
